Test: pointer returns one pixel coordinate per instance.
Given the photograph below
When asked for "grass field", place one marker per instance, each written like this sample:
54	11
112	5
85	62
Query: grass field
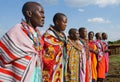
115	59
114	69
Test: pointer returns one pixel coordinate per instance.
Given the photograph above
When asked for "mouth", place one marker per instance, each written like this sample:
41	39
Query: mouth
42	21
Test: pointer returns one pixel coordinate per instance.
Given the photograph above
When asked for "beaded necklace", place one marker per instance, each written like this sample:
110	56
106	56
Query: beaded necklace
60	38
75	44
35	39
63	39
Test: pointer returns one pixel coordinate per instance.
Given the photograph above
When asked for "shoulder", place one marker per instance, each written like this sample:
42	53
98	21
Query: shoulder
16	27
15	30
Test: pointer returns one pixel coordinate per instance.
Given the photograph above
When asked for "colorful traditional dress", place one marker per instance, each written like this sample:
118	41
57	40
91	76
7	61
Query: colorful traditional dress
101	60
54	56
106	55
88	74
92	45
19	55
74	52
83	64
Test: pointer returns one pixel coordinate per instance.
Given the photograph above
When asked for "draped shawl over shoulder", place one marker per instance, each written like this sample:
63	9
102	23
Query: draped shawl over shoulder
17	56
53	57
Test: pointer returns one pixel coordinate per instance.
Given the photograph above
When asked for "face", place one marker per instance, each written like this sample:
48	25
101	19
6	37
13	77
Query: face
62	23
99	36
91	35
83	34
76	35
105	36
37	18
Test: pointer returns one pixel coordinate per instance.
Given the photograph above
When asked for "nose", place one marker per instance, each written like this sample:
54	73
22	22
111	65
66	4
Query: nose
65	24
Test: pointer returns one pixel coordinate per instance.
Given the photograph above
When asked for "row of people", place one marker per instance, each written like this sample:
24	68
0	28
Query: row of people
28	56
88	58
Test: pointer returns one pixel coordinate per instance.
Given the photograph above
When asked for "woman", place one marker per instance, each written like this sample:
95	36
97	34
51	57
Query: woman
74	52
87	57
20	47
106	51
101	58
54	50
93	55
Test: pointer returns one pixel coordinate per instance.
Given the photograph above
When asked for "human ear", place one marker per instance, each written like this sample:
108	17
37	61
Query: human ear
56	22
29	13
71	35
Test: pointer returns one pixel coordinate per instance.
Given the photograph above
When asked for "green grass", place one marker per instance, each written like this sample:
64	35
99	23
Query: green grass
114	59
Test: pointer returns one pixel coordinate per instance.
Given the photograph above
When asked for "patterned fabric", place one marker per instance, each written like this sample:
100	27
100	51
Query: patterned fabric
83	64
88	74
17	56
106	55
35	36
36	75
54	56
93	59
100	49
101	60
74	52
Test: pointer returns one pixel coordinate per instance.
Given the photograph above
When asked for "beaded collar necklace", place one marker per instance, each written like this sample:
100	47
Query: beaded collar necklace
36	40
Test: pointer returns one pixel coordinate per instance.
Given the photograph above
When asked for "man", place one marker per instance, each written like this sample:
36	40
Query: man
20	47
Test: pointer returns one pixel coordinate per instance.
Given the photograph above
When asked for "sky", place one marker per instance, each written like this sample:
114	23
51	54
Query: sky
95	15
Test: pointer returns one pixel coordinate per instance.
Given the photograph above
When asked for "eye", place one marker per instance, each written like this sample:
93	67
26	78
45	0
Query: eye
41	11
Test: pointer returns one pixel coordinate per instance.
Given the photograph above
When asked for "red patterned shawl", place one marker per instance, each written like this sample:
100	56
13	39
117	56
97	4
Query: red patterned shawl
16	54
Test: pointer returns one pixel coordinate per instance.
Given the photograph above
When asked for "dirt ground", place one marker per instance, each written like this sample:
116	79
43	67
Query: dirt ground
114	71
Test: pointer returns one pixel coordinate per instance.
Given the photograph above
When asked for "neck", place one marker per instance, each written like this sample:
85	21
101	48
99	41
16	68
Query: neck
73	39
84	39
56	29
29	23
75	43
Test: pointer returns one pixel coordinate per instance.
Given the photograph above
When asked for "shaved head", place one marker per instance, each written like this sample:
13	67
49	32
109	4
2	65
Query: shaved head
58	16
33	13
83	32
72	30
30	6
